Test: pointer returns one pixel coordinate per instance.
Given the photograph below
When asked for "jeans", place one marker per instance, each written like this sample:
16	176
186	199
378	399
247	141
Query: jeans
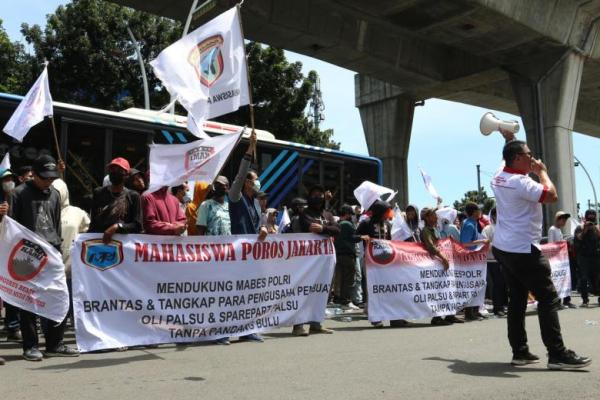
53	333
498	286
587	268
526	273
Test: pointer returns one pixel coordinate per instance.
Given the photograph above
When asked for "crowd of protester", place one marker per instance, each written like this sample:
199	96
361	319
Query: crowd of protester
38	199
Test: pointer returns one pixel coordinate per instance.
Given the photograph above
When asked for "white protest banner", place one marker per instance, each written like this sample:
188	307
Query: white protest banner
428	185
32	273
201	160
405	282
558	256
36	105
206	70
146	289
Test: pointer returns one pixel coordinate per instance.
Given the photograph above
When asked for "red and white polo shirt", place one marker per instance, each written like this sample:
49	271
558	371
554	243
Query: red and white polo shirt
519	206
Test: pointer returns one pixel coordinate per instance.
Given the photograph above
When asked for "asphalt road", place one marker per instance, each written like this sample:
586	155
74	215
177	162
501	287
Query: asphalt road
467	361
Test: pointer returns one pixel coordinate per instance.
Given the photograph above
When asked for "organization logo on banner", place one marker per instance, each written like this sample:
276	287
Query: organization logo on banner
382	251
207	59
198	156
26	260
96	254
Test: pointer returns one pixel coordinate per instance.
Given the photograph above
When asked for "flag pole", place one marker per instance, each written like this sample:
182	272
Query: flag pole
250	102
60	159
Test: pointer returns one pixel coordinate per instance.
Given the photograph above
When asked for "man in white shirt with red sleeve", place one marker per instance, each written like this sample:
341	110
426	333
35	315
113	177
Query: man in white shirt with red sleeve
516	246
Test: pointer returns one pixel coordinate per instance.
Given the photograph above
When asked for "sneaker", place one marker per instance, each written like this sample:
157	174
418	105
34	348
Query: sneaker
439	321
453	319
377	324
571	305
568	360
350	306
14	335
62	350
253	337
398	323
524	358
585	304
33	354
224	341
320	330
500	314
299	330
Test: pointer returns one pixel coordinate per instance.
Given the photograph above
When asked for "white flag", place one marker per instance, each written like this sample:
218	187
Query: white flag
368	192
285	220
206	70
5	164
172	164
32	273
195	128
36	105
400	229
429	185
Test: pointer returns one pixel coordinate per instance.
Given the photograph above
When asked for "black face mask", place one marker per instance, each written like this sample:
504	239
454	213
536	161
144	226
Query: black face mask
219	192
116	178
316	202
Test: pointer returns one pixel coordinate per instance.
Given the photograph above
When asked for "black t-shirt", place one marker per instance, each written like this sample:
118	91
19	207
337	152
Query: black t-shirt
110	208
589	245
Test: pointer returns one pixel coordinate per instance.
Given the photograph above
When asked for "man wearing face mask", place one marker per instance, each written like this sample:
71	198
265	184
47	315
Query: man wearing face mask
244	207
317	220
36	206
116	209
213	214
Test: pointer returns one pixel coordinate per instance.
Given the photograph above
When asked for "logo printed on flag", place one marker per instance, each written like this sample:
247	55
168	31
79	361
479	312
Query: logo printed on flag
382	252
207	60
197	157
96	254
26	260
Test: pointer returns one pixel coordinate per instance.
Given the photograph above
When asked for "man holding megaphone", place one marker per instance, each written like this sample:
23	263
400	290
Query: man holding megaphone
516	245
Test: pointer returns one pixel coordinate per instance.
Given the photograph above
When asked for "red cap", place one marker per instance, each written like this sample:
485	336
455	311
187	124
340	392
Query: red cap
120	162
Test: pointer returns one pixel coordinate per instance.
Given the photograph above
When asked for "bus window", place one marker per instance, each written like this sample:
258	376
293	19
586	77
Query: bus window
132	146
85	162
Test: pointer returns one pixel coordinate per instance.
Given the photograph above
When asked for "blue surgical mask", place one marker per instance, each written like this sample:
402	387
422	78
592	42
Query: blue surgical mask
256	186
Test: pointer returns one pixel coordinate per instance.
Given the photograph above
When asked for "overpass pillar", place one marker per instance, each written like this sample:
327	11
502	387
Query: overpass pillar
387	116
547	100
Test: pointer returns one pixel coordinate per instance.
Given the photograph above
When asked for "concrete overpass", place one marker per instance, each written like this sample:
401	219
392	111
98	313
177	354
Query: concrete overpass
535	58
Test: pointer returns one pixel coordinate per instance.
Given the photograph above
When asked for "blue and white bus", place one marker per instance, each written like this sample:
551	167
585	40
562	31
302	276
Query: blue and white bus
89	138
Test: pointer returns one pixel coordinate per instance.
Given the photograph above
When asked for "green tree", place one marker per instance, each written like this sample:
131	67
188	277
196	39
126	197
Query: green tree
281	93
485	202
92	59
15	65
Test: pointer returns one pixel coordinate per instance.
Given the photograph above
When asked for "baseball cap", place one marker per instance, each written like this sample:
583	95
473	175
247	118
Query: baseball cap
561	214
134	172
5	172
222	180
45	166
121	163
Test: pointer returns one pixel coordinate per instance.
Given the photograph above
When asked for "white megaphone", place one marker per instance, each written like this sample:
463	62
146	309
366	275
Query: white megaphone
489	123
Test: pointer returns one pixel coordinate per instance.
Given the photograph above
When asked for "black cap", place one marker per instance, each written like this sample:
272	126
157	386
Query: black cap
133	172
298	201
45	166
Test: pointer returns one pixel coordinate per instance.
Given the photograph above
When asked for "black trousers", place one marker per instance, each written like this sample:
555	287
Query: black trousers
53	333
345	276
588	268
11	319
526	273
498	290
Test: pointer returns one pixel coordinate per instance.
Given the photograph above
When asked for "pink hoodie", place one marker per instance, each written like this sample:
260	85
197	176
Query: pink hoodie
161	212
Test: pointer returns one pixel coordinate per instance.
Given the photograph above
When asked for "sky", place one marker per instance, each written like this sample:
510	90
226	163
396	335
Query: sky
445	139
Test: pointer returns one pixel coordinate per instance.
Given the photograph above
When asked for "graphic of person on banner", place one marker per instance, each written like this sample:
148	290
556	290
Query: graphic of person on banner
429	237
116	209
317	220
37	206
